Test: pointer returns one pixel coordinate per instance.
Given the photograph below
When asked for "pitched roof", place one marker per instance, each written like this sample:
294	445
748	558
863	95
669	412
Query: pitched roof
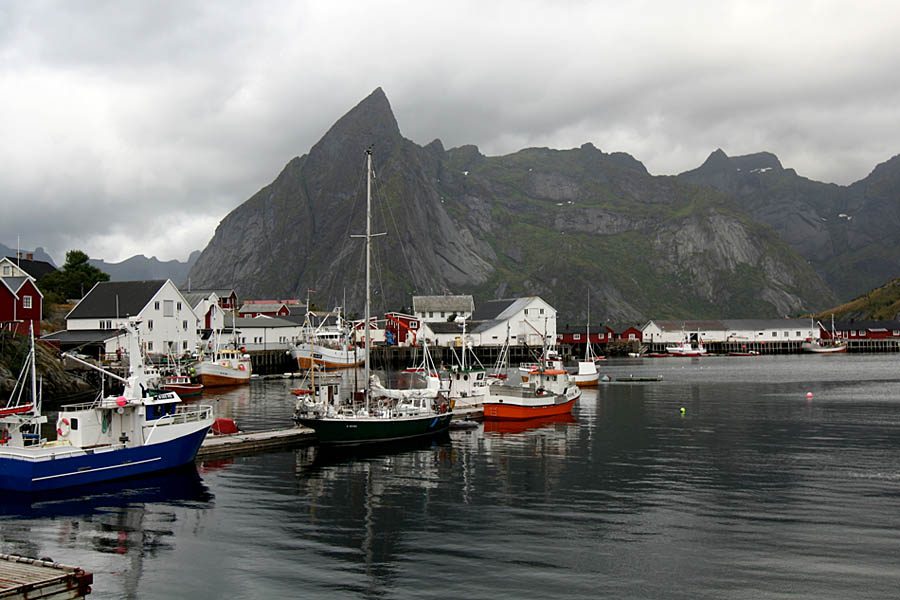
194	298
116	299
445	327
84	336
14	283
447	303
861	325
499	310
35	268
267	307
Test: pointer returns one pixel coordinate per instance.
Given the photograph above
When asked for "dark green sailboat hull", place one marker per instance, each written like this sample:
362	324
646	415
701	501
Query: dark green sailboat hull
364	431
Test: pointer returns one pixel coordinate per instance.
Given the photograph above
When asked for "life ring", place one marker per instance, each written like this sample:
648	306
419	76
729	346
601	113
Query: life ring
224	364
62	427
444	407
241	367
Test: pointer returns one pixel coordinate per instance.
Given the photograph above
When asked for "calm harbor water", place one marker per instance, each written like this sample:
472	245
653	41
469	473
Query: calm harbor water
756	491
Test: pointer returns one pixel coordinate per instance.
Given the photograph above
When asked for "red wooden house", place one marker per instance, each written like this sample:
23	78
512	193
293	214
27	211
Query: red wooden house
629	334
578	335
20	305
404	329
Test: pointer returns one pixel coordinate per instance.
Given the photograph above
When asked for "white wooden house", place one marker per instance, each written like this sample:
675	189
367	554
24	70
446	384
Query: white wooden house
527	321
168	324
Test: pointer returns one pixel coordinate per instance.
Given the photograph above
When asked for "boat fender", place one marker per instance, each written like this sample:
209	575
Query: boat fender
62	427
4	437
444	407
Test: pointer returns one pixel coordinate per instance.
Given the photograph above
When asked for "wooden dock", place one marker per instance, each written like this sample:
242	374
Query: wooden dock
22	577
220	446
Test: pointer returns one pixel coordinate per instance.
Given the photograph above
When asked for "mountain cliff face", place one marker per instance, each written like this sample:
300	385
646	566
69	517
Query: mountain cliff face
560	224
850	235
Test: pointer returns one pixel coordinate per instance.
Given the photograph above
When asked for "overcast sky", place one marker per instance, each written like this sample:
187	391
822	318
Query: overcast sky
134	127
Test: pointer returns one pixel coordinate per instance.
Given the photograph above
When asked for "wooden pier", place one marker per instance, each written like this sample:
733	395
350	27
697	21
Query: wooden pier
23	578
221	446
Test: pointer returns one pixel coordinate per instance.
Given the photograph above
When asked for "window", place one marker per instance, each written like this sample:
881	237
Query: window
774	334
542	311
797	334
852	333
862	333
577	336
73	423
413	324
178	306
184	345
149	346
6	271
896	333
184	325
526	312
156	305
786	334
168	308
26	301
442	314
150	325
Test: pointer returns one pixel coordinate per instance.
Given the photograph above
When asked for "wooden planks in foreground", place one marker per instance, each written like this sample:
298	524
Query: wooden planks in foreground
22	577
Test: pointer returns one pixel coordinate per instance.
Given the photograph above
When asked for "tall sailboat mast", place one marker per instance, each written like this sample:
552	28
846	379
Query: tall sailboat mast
368	337
369	235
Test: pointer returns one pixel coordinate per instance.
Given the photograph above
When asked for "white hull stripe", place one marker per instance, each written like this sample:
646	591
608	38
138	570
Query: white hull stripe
129	464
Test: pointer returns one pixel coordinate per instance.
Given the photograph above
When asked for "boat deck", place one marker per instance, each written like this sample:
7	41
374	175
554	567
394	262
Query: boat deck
22	577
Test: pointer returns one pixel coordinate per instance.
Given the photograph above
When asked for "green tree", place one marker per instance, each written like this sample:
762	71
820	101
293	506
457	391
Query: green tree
74	280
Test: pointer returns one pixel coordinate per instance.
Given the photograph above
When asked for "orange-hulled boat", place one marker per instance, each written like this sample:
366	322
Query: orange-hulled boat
548	392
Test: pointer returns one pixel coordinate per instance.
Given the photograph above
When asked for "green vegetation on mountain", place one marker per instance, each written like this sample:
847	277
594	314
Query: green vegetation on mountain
561	224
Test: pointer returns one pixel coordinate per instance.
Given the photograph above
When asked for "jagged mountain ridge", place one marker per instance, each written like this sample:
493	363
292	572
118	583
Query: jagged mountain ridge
849	234
560	224
139	267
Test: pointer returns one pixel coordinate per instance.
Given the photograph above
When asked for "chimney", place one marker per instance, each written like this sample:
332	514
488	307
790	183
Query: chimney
19	254
29	256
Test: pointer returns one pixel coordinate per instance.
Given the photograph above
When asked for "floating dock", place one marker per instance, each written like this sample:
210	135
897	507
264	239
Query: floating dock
22	577
219	446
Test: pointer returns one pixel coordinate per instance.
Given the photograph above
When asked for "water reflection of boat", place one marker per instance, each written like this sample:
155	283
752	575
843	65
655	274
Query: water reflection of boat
329	455
181	485
526	424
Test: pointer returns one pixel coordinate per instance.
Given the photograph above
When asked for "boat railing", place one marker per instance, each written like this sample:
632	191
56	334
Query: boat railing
57	454
511	390
192	415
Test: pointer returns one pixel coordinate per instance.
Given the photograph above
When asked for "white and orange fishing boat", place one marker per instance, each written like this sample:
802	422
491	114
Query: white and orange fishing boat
326	346
225	367
547	392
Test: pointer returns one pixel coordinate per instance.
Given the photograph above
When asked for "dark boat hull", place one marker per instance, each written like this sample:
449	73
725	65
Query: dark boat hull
366	431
